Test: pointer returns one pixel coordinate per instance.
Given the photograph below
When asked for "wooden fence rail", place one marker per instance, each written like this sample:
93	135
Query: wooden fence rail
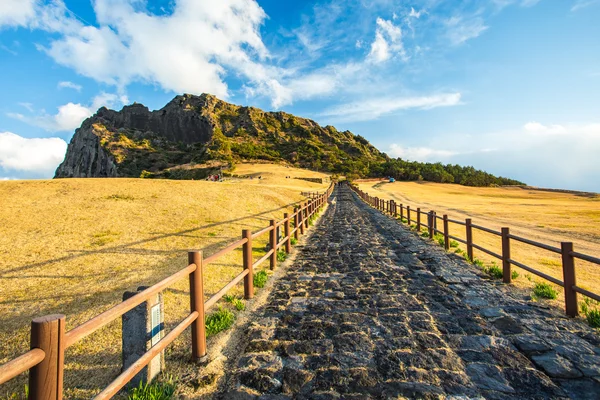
45	361
568	255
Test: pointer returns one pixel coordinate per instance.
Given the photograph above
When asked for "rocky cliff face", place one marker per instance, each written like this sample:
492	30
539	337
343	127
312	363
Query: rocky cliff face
86	157
89	156
193	130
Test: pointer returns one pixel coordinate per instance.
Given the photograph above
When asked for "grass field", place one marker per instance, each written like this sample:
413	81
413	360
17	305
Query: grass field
74	246
545	217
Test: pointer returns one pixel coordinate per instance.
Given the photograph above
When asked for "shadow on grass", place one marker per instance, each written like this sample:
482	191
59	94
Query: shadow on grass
128	247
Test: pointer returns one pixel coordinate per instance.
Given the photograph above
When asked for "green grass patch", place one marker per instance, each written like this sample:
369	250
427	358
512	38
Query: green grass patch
219	321
260	279
544	290
212	234
294	241
440	239
478	263
514	274
494	270
104	237
425	234
454	244
281	255
589	308
237	303
593	318
153	391
404	220
120	197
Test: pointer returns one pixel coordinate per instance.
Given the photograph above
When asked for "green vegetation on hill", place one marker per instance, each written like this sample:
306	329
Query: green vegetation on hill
416	171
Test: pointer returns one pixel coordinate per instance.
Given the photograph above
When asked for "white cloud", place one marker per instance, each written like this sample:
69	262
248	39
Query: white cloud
28	106
461	29
8	49
16	12
423	154
580	4
69	116
190	50
538	129
374	108
38	155
416	14
69	85
388	41
380	50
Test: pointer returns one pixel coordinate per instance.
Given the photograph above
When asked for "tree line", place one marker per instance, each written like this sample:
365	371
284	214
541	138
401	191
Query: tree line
403	170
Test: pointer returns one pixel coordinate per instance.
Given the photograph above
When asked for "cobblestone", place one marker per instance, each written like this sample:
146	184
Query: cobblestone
369	310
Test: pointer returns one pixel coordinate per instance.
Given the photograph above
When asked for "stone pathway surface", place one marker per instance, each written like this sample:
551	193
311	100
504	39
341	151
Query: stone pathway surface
369	310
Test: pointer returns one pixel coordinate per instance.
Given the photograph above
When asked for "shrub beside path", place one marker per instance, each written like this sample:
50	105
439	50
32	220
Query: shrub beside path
369	310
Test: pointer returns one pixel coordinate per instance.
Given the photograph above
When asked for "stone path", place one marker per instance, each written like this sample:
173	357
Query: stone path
369	310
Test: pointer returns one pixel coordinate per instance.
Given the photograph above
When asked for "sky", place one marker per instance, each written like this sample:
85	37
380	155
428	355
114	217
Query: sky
508	86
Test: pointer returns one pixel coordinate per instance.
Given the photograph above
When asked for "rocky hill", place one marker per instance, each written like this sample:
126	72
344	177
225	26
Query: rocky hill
192	134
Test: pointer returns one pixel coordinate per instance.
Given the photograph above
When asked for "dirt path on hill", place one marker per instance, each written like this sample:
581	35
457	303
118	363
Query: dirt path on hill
369	310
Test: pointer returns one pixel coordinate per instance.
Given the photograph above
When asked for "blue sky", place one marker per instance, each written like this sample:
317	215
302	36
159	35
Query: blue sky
509	86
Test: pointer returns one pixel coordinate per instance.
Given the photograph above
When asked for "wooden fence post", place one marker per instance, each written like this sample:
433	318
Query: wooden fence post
46	378
435	220
247	260
401	212
418	220
506	278
469	228
568	264
430	217
306	214
408	214
288	242
296	219
446	233
273	244
197	304
301	218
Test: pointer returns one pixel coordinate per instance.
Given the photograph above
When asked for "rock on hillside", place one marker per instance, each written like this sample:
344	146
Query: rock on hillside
192	130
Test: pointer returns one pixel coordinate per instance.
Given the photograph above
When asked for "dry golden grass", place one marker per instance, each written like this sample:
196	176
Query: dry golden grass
545	217
74	246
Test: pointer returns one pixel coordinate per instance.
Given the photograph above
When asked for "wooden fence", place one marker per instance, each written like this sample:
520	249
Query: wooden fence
568	255
45	361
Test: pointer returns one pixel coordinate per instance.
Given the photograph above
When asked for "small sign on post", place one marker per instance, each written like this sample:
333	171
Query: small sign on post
143	327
